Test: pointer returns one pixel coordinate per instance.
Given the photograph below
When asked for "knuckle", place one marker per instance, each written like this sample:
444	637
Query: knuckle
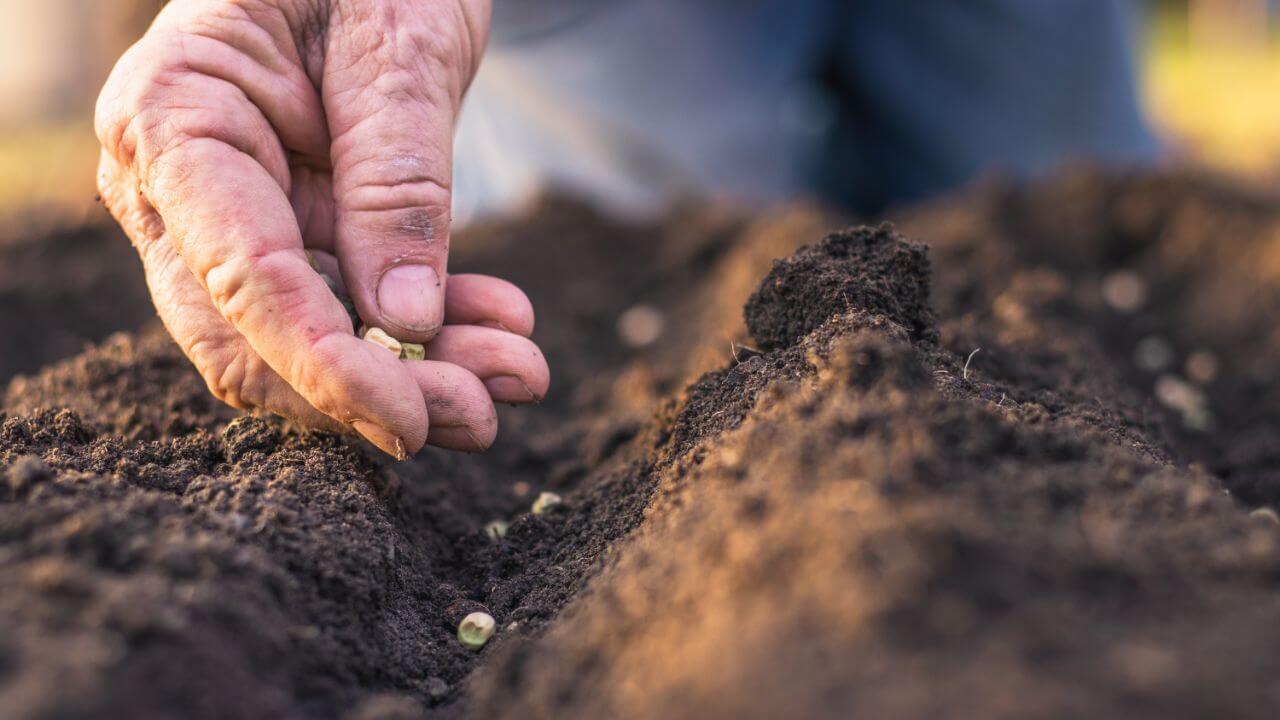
243	281
144	78
222	370
403	203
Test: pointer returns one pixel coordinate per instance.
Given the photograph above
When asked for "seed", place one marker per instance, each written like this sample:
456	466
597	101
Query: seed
1265	515
311	260
475	630
379	337
496	529
546	501
412	351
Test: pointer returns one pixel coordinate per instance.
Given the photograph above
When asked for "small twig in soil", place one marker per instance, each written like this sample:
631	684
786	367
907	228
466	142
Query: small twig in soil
964	374
733	349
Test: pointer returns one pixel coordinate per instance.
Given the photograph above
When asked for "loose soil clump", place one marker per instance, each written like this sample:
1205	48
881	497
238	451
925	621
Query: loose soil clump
827	508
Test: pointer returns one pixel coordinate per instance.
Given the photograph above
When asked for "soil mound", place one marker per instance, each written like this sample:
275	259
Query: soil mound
998	509
869	269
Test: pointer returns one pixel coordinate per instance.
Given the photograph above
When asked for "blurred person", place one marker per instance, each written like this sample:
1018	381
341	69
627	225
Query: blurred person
867	102
236	133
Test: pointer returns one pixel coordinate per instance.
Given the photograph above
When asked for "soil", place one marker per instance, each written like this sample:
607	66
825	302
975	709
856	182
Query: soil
905	482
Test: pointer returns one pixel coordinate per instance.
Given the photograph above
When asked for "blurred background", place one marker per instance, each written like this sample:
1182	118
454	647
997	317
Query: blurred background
1210	80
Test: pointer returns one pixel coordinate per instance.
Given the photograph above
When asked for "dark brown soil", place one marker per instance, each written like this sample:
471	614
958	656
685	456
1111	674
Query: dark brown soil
63	289
847	513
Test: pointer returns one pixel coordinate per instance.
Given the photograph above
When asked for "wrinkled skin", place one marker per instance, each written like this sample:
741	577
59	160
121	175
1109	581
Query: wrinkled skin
237	133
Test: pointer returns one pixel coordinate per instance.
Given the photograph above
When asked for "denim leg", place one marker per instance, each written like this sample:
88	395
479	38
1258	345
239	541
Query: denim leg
936	91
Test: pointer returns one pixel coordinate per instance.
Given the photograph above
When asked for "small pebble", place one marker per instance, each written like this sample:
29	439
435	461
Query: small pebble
1124	291
640	325
475	630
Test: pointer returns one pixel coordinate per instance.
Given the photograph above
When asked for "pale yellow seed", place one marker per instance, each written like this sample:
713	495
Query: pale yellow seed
1265	515
412	351
475	630
545	502
379	337
496	529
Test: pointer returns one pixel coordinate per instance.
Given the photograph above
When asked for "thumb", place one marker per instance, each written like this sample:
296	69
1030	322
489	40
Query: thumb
393	81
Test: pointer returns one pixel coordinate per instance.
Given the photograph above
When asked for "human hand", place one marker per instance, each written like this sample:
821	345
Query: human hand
237	134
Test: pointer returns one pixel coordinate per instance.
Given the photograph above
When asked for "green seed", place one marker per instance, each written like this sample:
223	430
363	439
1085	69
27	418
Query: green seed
475	630
311	260
412	351
496	529
546	501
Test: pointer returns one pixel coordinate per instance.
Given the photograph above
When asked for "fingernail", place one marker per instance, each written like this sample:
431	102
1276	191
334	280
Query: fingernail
411	297
385	441
508	388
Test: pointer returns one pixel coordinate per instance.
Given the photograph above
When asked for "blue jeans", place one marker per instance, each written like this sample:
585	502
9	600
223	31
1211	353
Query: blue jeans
635	103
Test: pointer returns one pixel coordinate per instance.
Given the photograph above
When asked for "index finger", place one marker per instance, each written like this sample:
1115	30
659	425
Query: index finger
234	226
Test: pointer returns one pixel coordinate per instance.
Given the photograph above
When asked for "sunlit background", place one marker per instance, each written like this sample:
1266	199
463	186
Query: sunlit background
1211	85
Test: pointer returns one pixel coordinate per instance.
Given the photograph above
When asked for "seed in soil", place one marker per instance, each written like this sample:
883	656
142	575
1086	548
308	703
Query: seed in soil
412	351
379	337
1265	515
496	529
475	630
546	502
